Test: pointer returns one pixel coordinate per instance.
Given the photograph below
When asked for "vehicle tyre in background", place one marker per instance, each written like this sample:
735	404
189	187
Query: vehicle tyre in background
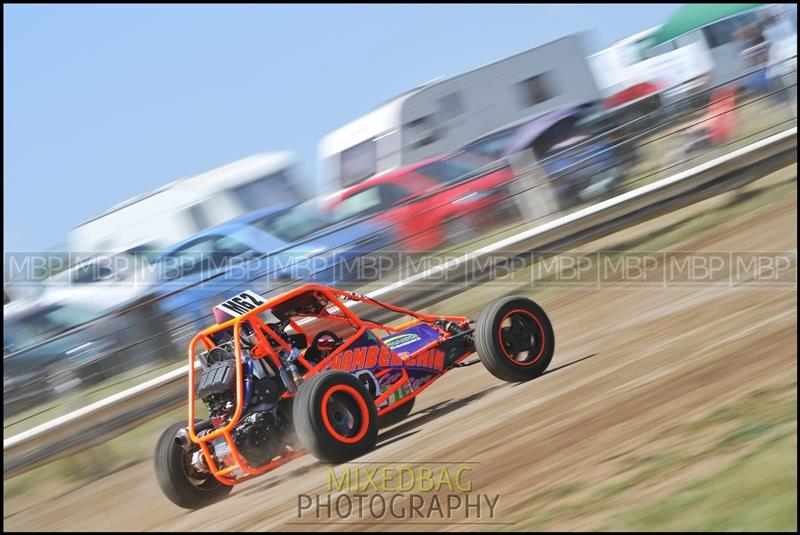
335	417
458	230
514	339
568	196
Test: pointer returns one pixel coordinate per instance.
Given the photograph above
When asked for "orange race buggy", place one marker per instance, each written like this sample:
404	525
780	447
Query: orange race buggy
309	371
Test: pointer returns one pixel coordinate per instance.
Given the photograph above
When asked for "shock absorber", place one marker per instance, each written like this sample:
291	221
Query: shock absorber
469	340
455	329
294	372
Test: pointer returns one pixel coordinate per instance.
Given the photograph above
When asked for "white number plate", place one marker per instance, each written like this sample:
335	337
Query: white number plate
241	304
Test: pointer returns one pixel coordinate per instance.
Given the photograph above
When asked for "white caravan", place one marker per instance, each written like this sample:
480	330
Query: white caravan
445	114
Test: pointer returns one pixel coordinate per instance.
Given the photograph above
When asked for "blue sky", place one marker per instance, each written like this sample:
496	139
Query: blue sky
105	102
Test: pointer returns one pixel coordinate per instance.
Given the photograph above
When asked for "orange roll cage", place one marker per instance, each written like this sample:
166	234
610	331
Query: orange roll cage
264	349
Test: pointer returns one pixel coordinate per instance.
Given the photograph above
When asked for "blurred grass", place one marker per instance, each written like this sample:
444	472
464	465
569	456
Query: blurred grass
80	398
755	491
738	203
131	447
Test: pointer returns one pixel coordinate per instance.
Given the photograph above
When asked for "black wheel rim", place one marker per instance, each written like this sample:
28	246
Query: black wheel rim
521	337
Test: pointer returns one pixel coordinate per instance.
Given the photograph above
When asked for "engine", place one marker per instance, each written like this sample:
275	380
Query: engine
264	428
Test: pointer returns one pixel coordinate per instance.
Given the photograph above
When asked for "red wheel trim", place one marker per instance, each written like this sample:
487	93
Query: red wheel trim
362	405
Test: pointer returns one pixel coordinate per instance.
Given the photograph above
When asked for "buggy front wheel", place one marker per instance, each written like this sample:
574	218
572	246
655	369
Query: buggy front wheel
514	339
176	477
335	417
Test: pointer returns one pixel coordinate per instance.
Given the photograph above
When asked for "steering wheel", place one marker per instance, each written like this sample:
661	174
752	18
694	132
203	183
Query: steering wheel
320	344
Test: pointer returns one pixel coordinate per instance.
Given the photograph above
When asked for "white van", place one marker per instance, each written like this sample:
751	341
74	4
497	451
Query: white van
174	212
625	63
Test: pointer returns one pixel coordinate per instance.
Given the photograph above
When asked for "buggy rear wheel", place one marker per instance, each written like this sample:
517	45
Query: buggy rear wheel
514	339
179	482
335	417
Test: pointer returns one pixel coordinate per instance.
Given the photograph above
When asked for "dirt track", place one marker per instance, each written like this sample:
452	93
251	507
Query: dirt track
630	364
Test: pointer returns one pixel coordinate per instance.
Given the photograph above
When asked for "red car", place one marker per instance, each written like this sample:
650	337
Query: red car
431	203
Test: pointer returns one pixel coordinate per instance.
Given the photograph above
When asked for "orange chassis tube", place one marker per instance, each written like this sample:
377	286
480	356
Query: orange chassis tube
334	296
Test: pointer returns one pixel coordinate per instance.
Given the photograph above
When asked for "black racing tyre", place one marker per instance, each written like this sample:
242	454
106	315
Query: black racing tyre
335	417
514	339
396	415
173	474
568	196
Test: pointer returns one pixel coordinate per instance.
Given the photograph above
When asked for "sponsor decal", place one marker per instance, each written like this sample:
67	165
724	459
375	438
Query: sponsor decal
381	356
400	340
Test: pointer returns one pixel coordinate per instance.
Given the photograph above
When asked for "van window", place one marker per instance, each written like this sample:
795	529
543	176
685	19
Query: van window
359	162
537	89
420	132
267	191
719	33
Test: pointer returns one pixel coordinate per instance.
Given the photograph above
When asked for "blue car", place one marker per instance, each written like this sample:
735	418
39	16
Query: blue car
52	346
265	250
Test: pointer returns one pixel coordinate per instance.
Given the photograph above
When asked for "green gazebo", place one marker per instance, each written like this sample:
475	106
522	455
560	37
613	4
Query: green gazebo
693	16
